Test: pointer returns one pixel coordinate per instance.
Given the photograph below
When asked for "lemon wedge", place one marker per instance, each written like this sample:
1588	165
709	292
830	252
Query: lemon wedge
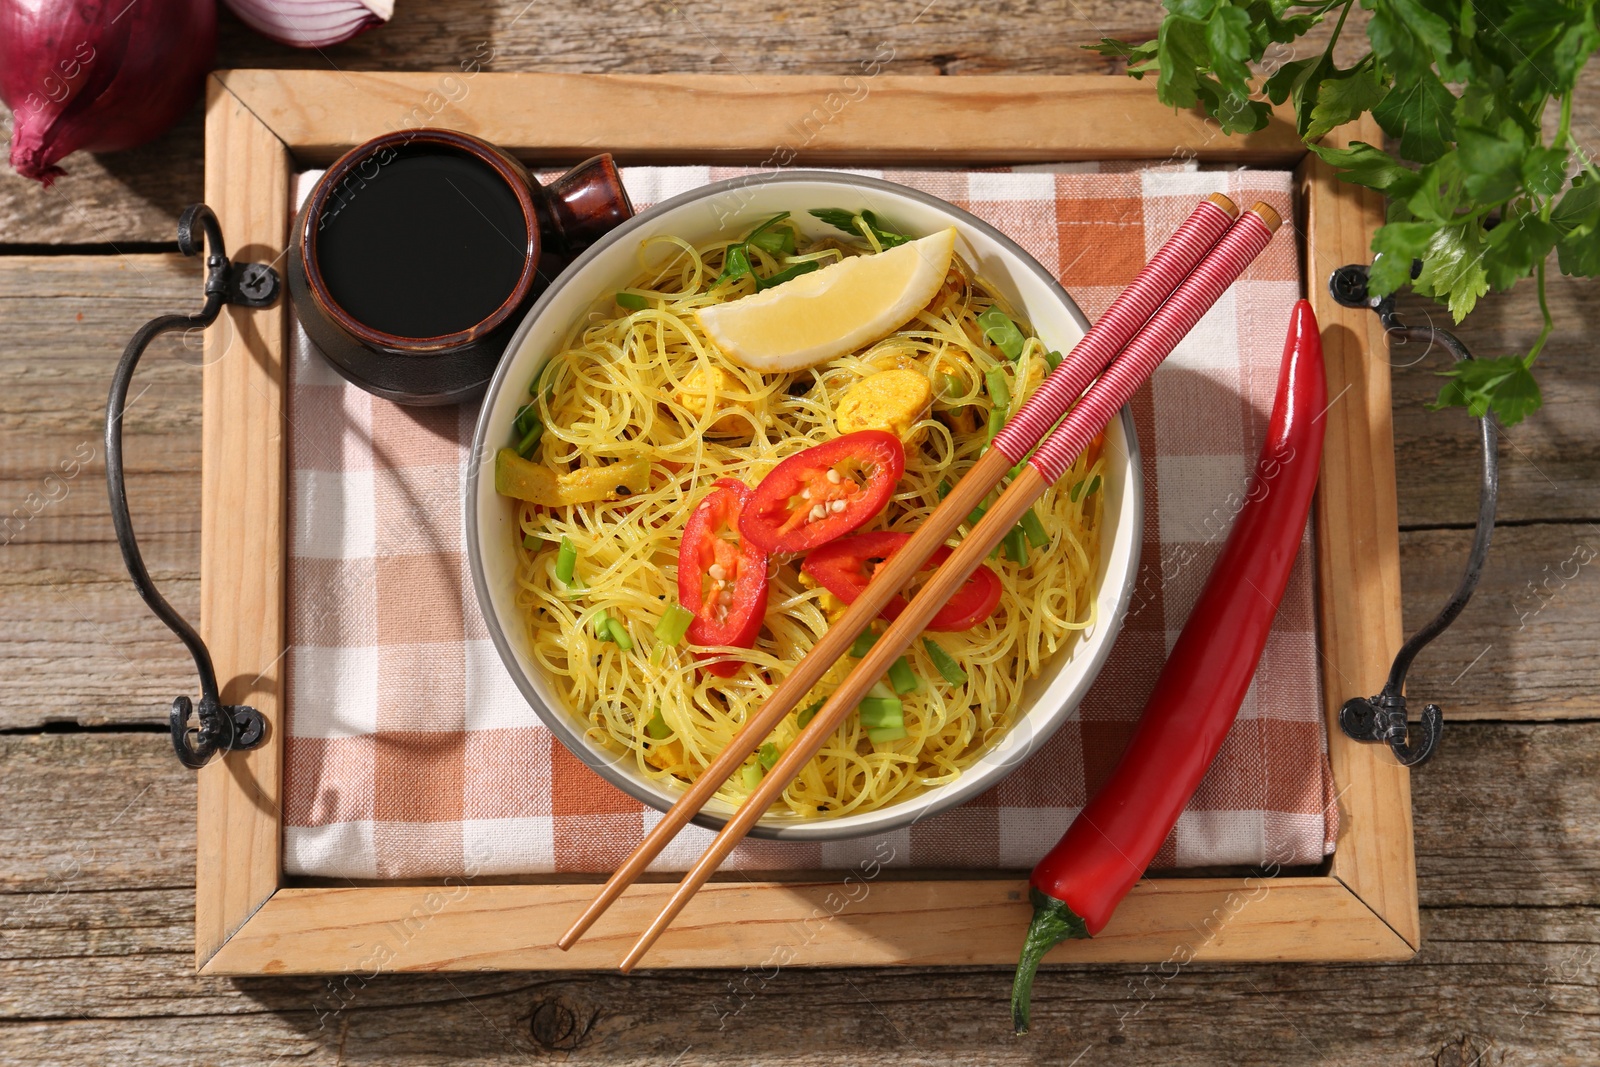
843	307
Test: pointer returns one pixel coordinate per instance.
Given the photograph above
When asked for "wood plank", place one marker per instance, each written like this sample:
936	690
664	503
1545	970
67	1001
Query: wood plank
95	959
242	539
1358	558
1550	463
763	119
1524	648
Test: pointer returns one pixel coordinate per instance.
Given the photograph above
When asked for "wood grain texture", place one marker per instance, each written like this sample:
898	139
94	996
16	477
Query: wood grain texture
759	119
96	966
1358	557
243	538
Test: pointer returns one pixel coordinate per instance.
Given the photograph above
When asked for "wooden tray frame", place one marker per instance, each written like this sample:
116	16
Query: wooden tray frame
263	125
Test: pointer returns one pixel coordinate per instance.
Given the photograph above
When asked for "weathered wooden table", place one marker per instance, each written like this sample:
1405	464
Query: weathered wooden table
97	818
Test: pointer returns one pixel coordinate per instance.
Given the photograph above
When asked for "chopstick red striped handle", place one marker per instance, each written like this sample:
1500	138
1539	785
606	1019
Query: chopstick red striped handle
1243	242
1155	340
1173	262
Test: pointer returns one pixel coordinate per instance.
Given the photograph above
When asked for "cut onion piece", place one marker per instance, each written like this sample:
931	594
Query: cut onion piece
311	23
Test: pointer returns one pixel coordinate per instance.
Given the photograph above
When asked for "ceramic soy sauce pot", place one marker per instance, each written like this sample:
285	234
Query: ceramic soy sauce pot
416	253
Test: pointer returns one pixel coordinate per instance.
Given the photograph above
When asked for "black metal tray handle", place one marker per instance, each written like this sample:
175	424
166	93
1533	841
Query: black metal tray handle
255	285
1382	718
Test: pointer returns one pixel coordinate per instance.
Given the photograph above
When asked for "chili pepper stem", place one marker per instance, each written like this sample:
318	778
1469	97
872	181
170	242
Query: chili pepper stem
1053	923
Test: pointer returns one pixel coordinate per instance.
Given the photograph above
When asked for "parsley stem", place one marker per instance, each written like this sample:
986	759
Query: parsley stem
1549	324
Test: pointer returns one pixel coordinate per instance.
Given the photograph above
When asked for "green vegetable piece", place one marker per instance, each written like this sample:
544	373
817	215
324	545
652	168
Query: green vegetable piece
566	561
903	678
867	223
945	662
657	729
1031	525
785	275
674	624
750	776
619	634
1016	545
1094	483
997	421
767	755
863	643
944	488
602	625
803	719
976	514
884	734
878	712
774	242
735	264
952	385
1000	331
1053	358
530	541
529	440
999	390
631	301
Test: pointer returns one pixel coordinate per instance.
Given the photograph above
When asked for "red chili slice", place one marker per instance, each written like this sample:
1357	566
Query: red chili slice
814	496
728	609
845	567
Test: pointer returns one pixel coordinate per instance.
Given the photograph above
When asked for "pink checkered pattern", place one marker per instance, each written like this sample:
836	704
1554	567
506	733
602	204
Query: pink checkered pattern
410	753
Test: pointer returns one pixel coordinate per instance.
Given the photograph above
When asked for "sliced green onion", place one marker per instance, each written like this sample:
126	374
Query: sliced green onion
619	634
1000	331
784	275
1094	483
530	541
1016	545
945	662
883	734
864	642
1076	491
632	301
997	421
977	513
999	388
903	678
767	755
803	719
876	713
1037	534
734	264
774	242
944	488
750	775
602	625
1053	358
952	385
527	415
658	655
566	561
529	439
674	624
657	729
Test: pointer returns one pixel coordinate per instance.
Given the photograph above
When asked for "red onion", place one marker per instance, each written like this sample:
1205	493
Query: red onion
101	75
311	23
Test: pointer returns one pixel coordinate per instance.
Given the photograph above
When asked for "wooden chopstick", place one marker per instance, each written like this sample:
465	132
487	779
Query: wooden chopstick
1171	264
1154	342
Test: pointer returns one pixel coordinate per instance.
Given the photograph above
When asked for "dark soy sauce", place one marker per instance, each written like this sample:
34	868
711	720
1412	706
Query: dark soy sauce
430	244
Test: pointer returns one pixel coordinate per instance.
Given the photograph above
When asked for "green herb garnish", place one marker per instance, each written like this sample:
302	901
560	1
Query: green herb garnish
867	224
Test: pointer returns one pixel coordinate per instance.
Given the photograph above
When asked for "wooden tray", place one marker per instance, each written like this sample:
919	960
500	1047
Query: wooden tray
261	126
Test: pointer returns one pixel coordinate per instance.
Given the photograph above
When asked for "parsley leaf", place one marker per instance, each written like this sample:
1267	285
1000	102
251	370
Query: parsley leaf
1452	267
1504	386
865	223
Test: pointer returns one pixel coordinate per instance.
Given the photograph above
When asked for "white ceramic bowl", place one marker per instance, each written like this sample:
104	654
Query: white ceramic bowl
722	210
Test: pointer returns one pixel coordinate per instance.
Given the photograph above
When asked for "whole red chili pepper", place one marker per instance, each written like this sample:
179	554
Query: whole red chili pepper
1076	886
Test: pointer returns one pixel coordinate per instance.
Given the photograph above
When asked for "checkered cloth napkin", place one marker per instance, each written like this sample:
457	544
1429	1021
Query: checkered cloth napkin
410	752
